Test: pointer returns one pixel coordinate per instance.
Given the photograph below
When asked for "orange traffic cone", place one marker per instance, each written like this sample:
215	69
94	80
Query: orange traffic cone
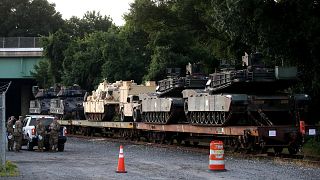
121	167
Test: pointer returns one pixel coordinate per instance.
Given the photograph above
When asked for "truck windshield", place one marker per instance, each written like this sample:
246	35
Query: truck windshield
45	121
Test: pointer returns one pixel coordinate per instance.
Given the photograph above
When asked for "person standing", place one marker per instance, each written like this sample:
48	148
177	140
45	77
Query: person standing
10	133
54	134
17	133
41	133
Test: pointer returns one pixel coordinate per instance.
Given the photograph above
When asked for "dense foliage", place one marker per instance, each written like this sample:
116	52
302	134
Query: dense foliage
28	18
170	33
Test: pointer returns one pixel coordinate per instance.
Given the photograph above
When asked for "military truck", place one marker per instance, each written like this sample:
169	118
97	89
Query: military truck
129	99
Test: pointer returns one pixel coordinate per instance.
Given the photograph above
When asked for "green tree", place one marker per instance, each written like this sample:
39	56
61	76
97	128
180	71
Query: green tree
28	18
42	74
91	21
54	46
84	59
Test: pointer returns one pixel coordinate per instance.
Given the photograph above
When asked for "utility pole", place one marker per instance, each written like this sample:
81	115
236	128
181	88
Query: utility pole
3	135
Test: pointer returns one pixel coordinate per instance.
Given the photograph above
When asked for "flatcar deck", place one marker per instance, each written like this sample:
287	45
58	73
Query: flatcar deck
183	128
98	124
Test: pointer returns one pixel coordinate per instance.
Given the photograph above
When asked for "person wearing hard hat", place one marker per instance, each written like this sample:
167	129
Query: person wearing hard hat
41	130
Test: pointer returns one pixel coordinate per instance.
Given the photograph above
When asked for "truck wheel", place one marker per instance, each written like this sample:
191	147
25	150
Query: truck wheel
60	147
29	146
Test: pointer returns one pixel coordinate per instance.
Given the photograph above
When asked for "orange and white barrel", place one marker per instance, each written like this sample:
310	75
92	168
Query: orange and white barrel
216	157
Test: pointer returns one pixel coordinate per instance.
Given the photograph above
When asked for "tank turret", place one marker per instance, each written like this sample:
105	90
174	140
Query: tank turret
253	77
252	95
41	104
69	103
103	103
166	105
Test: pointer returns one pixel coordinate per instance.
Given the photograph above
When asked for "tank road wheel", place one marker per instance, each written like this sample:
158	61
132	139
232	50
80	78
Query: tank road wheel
162	117
222	117
203	117
146	117
217	119
211	118
149	117
158	114
159	117
198	117
192	117
207	117
167	117
152	119
156	117
136	115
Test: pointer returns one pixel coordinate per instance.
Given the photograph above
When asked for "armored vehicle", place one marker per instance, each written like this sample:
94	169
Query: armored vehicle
250	96
41	104
103	103
129	99
166	105
69	103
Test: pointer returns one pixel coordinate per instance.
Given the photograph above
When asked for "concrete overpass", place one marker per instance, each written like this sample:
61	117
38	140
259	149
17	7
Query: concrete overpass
18	55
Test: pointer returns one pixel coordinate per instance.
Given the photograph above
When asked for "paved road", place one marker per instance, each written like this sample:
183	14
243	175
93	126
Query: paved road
97	159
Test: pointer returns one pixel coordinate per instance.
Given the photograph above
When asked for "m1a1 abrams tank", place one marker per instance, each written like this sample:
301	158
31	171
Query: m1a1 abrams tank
103	104
250	96
166	104
69	103
41	104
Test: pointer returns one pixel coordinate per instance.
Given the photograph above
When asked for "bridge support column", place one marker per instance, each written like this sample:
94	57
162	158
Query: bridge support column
25	98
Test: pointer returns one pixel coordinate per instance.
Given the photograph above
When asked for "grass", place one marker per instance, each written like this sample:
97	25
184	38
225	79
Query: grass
312	147
9	170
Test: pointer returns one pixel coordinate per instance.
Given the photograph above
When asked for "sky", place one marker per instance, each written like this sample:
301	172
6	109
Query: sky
113	8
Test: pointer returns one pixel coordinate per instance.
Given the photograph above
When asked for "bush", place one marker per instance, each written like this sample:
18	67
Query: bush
10	170
312	147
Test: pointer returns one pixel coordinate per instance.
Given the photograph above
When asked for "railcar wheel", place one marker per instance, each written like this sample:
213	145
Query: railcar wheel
293	150
277	150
